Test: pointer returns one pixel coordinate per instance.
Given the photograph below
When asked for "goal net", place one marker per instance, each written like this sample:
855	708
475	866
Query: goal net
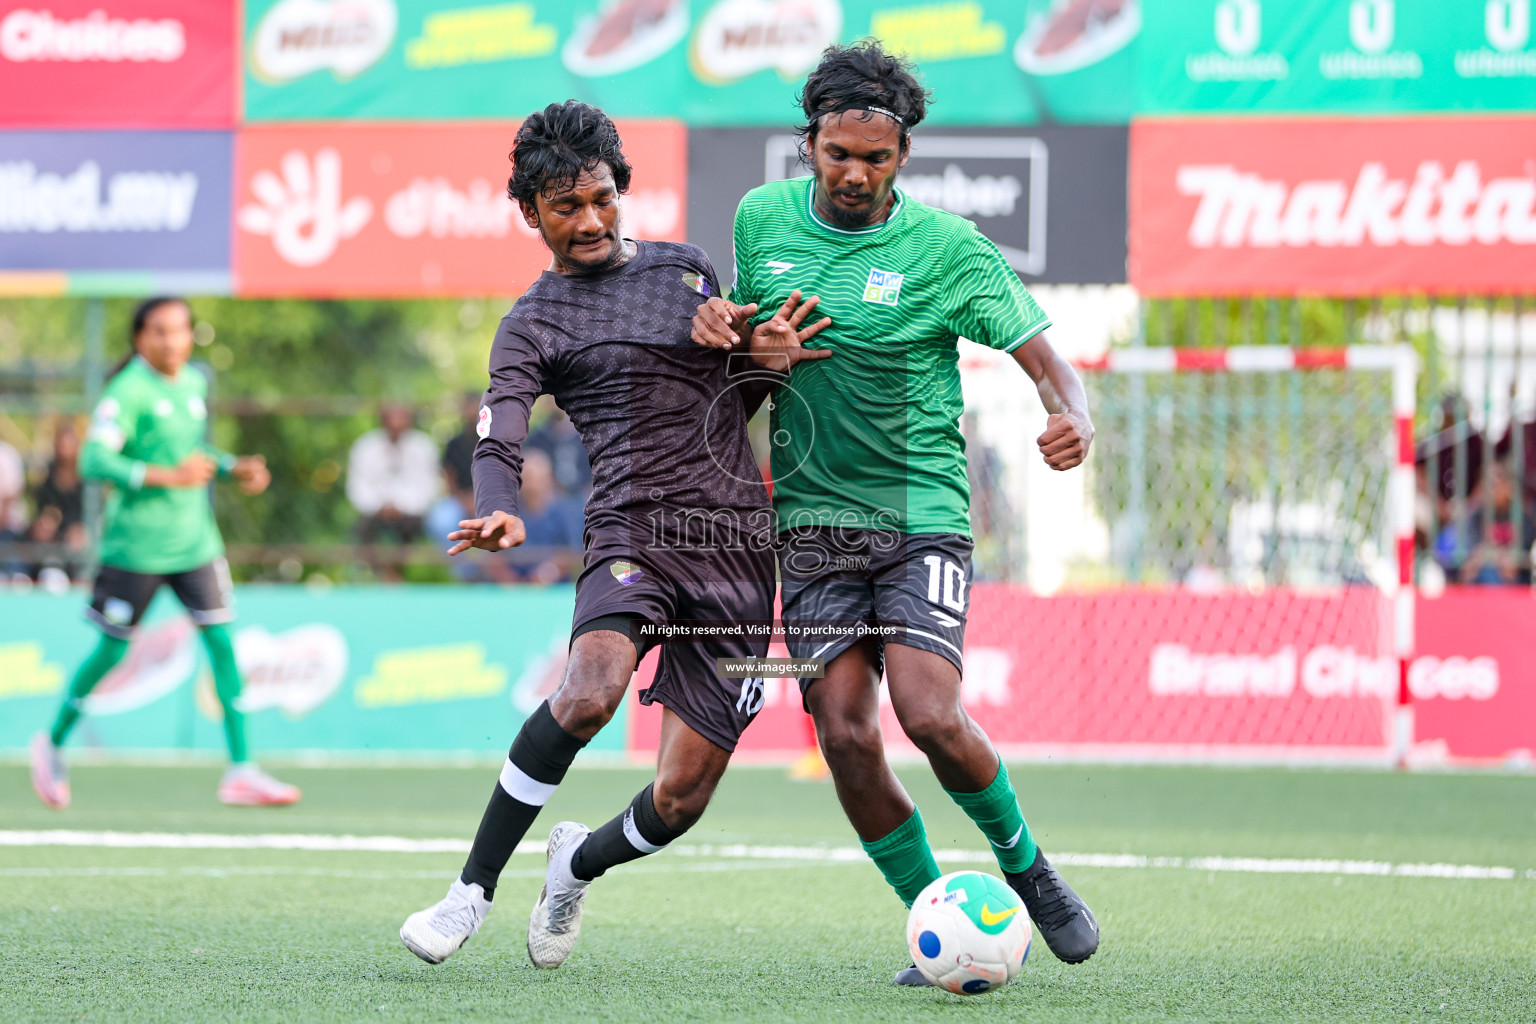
1225	579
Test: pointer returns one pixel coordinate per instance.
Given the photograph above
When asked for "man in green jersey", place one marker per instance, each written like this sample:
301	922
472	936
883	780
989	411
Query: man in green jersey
869	467
147	441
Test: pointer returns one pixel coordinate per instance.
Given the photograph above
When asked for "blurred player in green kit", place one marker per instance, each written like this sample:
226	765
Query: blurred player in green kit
147	441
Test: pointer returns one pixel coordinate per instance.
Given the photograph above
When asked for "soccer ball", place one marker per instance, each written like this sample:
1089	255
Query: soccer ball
968	932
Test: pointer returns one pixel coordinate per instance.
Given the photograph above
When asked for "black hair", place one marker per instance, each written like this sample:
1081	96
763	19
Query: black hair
141	314
557	143
858	77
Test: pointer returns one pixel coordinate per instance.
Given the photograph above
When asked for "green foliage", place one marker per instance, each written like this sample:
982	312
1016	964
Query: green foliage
295	380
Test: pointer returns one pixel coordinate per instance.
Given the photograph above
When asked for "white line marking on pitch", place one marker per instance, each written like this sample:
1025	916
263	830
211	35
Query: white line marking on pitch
741	852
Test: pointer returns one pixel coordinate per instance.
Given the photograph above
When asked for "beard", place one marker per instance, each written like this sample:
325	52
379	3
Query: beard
874	202
617	254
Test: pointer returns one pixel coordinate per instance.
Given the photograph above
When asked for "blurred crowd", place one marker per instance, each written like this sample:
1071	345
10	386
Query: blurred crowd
404	487
1476	511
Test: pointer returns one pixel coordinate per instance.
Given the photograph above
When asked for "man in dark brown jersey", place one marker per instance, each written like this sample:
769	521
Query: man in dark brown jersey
678	524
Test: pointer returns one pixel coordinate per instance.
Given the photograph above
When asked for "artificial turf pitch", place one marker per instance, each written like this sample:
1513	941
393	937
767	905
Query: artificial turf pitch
106	934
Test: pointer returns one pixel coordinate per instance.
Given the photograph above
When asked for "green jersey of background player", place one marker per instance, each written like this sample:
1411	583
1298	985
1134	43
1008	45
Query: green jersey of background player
869	465
147	441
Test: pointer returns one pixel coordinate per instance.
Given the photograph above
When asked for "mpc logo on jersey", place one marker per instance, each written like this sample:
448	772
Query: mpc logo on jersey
884	287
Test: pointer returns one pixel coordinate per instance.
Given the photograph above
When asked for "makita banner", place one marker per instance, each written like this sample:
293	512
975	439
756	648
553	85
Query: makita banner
1052	199
1333	206
115	201
341	210
117	64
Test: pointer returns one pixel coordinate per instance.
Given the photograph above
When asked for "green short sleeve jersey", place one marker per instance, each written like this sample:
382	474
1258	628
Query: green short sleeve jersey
868	438
147	419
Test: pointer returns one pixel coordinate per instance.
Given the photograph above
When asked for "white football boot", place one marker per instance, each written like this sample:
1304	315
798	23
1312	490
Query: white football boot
433	934
556	919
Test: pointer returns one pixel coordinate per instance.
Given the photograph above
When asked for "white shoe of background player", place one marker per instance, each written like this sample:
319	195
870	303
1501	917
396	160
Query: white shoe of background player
433	934
556	919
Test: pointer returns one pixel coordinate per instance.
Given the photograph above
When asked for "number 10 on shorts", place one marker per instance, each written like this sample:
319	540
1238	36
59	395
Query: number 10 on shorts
946	576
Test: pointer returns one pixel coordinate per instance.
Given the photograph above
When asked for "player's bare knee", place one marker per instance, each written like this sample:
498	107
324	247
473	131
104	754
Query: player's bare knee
849	741
682	803
582	710
935	727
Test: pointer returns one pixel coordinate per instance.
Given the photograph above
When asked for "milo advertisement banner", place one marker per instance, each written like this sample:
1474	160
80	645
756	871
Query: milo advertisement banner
352	670
706	62
1343	56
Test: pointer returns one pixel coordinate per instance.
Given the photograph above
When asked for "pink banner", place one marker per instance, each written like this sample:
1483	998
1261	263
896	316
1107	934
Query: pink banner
1149	673
1333	206
1474	678
118	64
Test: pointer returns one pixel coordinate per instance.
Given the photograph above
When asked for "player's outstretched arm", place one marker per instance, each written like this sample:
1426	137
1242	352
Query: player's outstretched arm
1068	429
495	532
778	342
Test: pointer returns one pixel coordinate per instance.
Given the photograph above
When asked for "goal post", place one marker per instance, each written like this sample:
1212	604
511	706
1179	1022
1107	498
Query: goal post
1239	584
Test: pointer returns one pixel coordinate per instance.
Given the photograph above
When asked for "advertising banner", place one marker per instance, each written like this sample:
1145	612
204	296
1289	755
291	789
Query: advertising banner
1474	678
361	210
117	64
117	201
350	670
1053	199
708	62
1333	206
1357	56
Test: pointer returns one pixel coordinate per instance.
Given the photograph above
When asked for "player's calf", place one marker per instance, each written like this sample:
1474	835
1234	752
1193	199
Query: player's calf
1065	922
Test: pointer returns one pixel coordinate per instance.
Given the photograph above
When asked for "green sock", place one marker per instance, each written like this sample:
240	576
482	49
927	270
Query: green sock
904	858
109	651
995	810
226	683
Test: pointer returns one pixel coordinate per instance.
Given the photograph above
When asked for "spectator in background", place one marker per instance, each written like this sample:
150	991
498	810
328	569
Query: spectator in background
63	491
13	486
552	520
1498	555
392	477
557	438
458	500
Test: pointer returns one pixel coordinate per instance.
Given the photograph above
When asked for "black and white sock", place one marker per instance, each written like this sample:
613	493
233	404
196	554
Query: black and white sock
636	833
537	762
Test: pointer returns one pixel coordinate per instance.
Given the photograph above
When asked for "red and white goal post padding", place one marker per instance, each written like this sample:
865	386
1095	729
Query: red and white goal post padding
1402	363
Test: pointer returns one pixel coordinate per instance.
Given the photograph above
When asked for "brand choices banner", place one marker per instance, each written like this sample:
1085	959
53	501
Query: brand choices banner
1053	199
1300	56
117	64
115	200
700	61
1333	206
1124	673
404	210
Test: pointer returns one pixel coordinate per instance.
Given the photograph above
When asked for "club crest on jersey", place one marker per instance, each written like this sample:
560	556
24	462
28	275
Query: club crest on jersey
698	282
883	287
625	572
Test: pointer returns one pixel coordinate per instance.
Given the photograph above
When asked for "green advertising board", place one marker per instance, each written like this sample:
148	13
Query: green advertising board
363	670
1337	56
705	62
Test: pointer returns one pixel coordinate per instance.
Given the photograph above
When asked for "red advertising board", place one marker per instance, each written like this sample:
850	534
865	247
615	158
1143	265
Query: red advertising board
1148	674
401	210
1332	206
1474	677
118	64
